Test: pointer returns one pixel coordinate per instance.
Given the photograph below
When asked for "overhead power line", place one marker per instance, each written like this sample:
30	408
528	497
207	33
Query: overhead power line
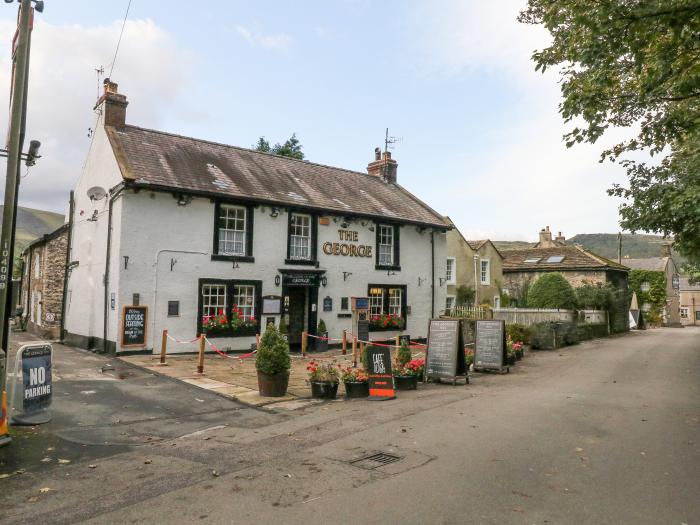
121	33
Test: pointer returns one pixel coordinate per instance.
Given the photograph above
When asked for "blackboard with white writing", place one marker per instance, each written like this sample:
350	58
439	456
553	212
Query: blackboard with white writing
445	355
134	325
381	379
363	330
490	345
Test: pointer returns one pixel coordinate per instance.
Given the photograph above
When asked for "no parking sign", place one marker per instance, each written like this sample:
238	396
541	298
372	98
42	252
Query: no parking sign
36	388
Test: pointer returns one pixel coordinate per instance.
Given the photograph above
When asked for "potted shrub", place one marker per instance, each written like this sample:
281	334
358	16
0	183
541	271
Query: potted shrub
321	345
272	363
405	376
356	382
518	350
510	352
324	379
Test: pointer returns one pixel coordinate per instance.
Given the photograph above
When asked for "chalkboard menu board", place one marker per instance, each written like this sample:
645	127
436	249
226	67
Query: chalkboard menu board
381	380
445	354
363	330
490	345
134	325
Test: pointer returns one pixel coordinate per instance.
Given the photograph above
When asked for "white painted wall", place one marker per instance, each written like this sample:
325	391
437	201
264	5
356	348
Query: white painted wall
155	229
85	291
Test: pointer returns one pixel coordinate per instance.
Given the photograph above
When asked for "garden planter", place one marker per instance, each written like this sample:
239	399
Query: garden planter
324	389
406	382
273	385
321	345
511	360
518	355
355	389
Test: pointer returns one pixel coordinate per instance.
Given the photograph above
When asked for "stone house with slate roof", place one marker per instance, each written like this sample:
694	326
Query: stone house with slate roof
476	264
689	302
521	268
189	228
666	265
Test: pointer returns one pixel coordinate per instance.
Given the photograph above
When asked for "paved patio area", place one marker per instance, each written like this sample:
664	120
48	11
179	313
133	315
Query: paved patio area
237	378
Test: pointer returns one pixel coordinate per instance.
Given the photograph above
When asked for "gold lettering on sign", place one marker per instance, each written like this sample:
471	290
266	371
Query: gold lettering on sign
346	250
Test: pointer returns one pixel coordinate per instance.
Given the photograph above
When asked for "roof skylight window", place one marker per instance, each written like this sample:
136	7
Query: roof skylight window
532	260
555	259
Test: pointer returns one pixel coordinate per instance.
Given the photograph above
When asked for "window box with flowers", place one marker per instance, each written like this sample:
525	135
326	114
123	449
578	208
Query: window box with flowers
229	308
387	307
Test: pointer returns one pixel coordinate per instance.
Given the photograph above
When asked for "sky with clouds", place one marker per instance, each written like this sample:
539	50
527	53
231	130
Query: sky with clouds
481	136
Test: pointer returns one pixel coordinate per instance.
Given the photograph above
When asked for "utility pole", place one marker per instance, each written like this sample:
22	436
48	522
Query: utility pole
15	141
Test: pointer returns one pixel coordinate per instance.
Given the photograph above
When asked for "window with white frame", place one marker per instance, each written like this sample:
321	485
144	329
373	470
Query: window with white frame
685	312
300	237
449	302
485	271
385	245
213	300
645	286
244	299
376	301
451	271
395	301
232	230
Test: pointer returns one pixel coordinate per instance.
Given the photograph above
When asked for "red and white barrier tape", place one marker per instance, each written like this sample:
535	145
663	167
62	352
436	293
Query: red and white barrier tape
224	354
176	340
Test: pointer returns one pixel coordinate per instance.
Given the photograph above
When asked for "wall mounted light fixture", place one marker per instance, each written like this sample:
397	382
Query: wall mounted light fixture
277	280
324	280
274	212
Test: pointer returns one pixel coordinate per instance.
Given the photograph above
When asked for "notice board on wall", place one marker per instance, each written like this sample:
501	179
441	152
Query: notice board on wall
133	333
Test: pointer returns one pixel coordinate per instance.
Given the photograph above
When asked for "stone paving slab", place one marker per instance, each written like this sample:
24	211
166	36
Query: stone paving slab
237	378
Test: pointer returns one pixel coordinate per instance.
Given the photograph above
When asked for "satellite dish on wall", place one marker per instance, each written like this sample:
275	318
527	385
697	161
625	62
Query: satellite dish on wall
96	193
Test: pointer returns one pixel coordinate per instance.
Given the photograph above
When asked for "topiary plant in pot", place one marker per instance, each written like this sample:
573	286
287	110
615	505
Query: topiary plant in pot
321	344
272	363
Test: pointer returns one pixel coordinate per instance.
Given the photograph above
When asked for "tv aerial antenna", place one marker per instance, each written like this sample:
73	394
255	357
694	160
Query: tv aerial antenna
389	141
100	73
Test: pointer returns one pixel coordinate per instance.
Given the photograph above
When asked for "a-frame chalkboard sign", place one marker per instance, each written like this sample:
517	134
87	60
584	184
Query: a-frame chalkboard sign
490	346
445	353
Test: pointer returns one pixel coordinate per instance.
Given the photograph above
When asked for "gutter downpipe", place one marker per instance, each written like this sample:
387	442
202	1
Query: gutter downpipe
65	270
114	193
432	273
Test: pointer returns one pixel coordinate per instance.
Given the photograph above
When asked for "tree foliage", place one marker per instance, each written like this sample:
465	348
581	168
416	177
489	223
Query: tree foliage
551	290
595	296
291	147
465	295
634	64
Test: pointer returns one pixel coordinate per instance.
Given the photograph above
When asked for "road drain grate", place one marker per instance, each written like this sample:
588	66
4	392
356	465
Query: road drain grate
375	461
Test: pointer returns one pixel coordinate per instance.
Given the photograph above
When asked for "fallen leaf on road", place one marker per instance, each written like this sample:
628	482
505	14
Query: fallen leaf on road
199	400
287	475
92	466
643	453
517	509
32	499
20	471
3	476
147	462
49	449
579	449
44	490
215	473
63	461
45	460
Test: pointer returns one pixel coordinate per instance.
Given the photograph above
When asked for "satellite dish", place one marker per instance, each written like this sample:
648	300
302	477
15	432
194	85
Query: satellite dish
96	193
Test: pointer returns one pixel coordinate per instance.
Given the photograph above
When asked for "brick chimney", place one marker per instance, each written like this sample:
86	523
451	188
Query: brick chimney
383	166
545	238
560	238
666	249
113	105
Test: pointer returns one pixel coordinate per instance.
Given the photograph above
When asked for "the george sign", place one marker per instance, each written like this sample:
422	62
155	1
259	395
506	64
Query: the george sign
490	345
445	352
134	326
32	397
327	304
381	379
345	249
301	279
363	330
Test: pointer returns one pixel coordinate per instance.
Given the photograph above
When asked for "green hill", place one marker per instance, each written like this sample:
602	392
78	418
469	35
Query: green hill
32	224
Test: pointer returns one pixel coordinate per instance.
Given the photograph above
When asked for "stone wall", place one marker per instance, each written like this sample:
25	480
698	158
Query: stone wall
42	284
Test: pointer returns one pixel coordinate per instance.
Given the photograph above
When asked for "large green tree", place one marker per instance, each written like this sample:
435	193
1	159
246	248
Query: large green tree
634	64
290	148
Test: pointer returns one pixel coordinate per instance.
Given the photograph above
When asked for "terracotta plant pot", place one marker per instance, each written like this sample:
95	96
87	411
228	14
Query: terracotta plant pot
356	389
406	382
324	389
273	385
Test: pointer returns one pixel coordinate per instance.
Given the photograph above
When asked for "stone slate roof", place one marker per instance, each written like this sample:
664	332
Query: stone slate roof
687	287
575	258
657	264
159	160
475	245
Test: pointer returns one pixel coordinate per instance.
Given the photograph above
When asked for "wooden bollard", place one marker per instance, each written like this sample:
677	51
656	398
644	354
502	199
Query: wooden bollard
345	342
200	358
163	347
354	352
398	344
304	343
257	341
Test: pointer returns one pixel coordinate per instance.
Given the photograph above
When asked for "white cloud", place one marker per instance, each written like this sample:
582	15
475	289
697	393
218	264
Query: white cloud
278	42
150	70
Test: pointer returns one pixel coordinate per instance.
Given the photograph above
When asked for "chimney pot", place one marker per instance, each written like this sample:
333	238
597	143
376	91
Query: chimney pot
377	153
383	166
113	105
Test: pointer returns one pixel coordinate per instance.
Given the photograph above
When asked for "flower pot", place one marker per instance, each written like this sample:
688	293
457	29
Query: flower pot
518	355
511	360
406	382
355	389
273	385
324	389
321	345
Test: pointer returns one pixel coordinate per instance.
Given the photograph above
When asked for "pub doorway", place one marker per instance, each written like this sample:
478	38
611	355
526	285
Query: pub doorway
300	294
297	323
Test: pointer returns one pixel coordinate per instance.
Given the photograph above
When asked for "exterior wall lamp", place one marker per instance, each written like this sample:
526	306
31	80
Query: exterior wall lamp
274	212
324	280
277	280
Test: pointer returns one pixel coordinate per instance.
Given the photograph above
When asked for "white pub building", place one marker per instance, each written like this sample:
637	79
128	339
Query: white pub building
208	237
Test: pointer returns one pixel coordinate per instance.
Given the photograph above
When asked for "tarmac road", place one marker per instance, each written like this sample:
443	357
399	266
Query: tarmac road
604	432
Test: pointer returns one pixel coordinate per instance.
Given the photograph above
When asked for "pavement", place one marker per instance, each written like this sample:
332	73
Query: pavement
603	432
